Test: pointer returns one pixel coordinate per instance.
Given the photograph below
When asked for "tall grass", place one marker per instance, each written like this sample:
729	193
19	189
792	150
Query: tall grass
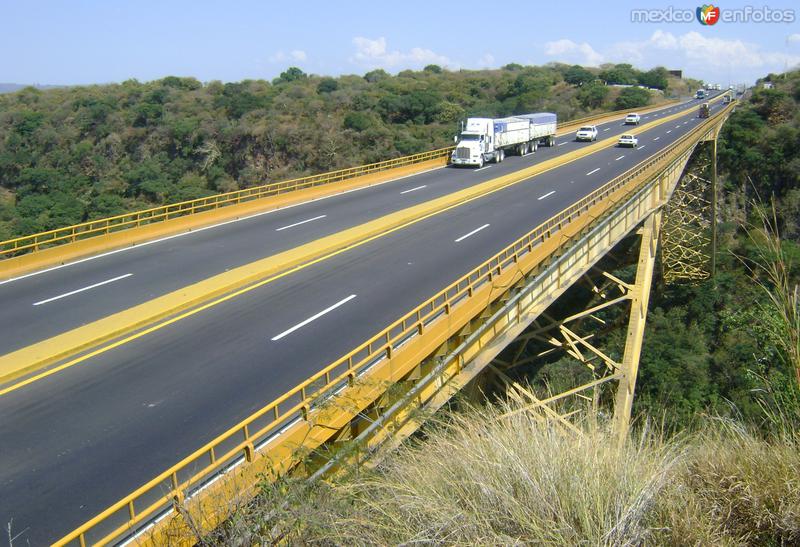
483	479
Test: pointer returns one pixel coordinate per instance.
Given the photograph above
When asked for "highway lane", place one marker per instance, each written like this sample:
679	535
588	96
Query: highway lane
83	438
40	306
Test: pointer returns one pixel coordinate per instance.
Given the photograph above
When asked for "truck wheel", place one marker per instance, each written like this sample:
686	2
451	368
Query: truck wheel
480	162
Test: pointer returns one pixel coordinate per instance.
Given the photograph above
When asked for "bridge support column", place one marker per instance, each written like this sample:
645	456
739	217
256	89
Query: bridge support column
640	299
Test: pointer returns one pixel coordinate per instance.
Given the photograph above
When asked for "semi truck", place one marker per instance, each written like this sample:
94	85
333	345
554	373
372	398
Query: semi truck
704	111
489	139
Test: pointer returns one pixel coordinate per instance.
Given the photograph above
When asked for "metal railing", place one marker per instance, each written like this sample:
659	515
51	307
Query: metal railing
84	230
238	445
614	113
70	234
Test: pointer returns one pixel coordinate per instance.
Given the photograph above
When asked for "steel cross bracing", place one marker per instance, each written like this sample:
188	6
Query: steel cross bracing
689	230
381	392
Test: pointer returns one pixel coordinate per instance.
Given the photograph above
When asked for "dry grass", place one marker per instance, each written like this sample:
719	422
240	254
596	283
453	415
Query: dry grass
480	479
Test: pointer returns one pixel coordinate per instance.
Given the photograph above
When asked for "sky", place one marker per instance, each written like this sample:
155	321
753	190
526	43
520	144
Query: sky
85	42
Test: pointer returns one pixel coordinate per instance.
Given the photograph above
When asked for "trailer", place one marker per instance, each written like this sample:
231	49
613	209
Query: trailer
490	139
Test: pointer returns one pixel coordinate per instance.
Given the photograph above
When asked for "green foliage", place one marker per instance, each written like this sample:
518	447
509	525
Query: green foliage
327	85
622	74
291	74
433	69
577	75
358	121
657	78
632	97
591	96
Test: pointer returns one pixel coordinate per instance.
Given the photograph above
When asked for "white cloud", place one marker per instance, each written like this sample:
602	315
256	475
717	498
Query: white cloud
793	38
693	51
569	51
295	55
374	54
486	60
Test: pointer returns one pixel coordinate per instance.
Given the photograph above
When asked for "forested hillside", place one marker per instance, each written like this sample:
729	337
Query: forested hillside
79	153
716	347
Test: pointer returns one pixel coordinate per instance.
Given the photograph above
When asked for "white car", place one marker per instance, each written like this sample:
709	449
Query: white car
586	133
632	119
628	140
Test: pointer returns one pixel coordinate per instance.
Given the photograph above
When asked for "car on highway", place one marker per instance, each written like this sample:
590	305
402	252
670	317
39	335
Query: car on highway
632	119
586	133
628	140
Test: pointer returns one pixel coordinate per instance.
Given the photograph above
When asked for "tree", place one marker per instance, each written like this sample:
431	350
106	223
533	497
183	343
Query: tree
327	85
358	121
577	75
632	97
657	78
591	96
376	75
291	74
622	74
433	69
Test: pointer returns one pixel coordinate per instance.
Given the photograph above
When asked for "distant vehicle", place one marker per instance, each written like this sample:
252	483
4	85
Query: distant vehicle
704	111
586	133
727	97
486	139
718	87
628	140
709	86
701	94
632	119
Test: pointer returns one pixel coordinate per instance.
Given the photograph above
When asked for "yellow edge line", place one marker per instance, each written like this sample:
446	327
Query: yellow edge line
294	269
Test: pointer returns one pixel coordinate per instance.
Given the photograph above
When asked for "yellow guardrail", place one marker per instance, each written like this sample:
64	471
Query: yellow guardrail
70	234
103	226
595	117
238	445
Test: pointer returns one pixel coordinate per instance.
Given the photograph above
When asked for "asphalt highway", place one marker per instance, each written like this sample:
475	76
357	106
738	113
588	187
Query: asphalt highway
75	442
40	306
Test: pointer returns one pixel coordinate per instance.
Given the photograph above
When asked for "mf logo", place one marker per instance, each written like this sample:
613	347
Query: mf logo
707	14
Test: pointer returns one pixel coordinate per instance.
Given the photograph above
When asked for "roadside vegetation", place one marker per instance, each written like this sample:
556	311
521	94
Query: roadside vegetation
79	153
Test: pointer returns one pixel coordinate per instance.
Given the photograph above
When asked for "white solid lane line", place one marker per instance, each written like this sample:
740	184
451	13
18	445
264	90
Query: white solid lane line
592	171
313	318
299	223
619	158
66	294
211	227
473	232
550	193
414	189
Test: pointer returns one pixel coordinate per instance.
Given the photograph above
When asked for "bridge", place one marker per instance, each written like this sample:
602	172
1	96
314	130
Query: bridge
155	365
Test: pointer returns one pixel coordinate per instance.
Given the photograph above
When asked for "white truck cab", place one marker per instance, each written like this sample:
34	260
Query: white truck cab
475	142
